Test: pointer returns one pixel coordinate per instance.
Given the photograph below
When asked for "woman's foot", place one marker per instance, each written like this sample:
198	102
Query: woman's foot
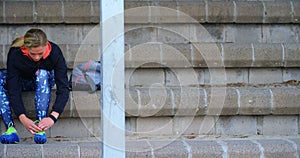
40	138
10	136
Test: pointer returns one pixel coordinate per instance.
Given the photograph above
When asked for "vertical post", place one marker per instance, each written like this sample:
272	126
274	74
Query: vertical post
112	88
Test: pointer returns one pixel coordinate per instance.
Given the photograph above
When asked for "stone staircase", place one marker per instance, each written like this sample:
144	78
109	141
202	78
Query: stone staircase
203	78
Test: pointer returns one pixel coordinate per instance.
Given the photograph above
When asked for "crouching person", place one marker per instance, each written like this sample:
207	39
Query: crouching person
33	63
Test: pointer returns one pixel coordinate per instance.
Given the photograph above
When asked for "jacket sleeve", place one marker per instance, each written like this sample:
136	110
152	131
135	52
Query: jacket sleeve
13	84
61	81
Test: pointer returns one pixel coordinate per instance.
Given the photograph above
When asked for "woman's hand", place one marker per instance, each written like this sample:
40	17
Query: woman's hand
29	124
46	123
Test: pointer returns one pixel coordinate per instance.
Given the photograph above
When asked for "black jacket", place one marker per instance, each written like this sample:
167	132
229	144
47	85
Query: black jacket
19	65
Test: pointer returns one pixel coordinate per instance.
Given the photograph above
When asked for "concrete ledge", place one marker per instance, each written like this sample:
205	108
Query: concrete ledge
220	147
153	12
188	56
187	101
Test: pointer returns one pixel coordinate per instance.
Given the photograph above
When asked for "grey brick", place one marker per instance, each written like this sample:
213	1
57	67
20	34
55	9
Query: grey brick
154	102
277	12
168	149
176	55
237	76
145	77
56	150
64	35
284	125
95	15
222	101
164	12
24	150
265	76
48	12
280	33
277	148
137	12
205	148
16	13
90	101
220	11
236	125
138	148
193	126
1	12
249	12
296	5
292	55
136	56
195	9
290	74
184	77
242	148
90	149
254	101
188	101
140	34
173	33
237	55
268	55
183	55
72	128
4	35
243	34
154	126
286	101
77	12
132	101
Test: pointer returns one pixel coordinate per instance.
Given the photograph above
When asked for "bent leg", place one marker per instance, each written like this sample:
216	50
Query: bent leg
42	96
5	109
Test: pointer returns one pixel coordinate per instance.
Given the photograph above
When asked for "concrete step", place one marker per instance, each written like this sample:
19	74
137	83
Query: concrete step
202	146
235	11
188	55
183	111
187	101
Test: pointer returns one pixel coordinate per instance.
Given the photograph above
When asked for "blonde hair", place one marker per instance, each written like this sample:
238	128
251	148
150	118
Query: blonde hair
32	38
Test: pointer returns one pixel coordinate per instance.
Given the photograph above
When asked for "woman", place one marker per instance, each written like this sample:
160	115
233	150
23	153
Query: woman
33	63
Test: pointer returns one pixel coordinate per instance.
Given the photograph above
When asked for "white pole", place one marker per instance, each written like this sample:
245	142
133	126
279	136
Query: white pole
112	88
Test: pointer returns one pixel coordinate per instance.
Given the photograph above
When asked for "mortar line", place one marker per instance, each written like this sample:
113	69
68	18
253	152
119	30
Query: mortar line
139	101
78	149
152	150
192	54
42	148
264	12
206	10
188	148
253	55
205	101
239	100
5	150
292	10
63	11
222	53
283	55
33	11
234	12
172	102
261	148
294	146
271	101
224	147
3	12
160	55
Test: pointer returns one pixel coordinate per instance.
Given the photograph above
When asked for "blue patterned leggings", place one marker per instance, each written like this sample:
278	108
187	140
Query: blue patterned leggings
42	85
